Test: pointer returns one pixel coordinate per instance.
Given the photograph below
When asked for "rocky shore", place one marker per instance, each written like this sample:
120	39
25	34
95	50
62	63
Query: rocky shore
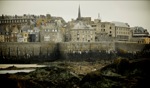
121	73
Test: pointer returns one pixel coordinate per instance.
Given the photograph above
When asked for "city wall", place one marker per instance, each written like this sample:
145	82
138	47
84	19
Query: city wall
69	50
129	47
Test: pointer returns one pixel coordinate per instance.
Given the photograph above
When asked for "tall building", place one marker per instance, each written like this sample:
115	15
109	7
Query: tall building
9	20
82	32
51	33
122	31
106	32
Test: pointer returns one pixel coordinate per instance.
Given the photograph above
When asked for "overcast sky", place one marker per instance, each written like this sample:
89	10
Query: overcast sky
136	13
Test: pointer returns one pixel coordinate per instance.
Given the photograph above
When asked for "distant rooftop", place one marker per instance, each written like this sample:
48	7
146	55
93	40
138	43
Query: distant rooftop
120	24
81	25
139	30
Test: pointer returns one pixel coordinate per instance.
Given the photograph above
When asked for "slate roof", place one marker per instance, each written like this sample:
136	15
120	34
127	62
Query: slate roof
49	26
15	30
25	28
81	25
140	30
120	24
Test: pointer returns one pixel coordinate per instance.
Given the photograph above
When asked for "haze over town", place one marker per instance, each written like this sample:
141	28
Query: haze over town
135	13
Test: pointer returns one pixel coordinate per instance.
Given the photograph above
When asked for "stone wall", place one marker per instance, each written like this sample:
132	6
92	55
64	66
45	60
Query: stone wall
26	50
66	50
129	47
68	47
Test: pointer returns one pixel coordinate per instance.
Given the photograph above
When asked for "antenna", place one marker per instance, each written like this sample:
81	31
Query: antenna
99	16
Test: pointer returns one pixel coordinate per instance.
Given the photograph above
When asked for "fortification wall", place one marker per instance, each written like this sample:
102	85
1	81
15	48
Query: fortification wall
65	50
129	47
26	50
68	47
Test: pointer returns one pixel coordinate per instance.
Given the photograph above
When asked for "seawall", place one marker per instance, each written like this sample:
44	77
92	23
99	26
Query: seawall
66	50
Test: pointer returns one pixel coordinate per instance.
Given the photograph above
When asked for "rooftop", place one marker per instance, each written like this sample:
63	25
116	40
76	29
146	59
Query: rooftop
120	24
81	25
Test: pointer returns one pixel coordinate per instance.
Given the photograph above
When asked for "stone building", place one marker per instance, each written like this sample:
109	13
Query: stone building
139	32
51	33
105	31
2	33
12	27
82	32
7	34
96	25
5	20
141	40
14	32
140	35
23	35
37	34
122	31
1	37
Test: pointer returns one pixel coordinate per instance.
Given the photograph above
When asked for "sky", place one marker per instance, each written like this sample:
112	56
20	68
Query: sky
134	12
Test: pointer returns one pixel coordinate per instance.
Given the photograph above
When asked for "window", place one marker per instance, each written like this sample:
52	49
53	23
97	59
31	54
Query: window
102	25
93	25
110	31
103	29
110	27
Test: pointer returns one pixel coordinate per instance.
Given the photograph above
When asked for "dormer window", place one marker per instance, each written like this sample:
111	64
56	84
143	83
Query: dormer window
6	33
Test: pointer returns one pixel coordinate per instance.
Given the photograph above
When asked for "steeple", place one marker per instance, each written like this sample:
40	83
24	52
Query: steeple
79	14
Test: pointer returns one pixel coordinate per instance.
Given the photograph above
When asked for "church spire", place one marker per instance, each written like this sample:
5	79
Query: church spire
79	14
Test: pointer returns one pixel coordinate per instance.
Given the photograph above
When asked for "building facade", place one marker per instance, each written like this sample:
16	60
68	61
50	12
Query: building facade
139	32
122	31
82	32
51	33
